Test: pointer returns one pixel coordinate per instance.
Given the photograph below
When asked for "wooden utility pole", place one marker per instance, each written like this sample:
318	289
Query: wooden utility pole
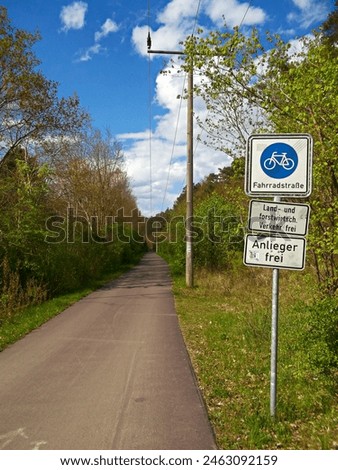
189	271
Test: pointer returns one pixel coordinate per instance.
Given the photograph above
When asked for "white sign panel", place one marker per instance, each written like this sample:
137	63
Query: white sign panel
274	252
279	164
280	217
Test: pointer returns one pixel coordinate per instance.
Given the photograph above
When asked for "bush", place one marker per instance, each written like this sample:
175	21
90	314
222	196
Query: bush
221	233
173	249
321	337
16	294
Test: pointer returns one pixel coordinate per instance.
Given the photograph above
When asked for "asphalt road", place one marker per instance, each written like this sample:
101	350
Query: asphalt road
110	372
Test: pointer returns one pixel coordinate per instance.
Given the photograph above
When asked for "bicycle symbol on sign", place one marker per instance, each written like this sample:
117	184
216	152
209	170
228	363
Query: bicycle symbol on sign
280	160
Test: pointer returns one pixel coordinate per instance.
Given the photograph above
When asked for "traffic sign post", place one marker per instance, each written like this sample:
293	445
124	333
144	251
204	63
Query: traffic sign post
281	217
275	252
277	165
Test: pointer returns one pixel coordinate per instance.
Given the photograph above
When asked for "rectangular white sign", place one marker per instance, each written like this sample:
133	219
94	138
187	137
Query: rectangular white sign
279	164
278	217
274	252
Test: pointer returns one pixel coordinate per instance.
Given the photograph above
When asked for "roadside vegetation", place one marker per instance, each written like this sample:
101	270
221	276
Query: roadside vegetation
260	85
226	322
62	184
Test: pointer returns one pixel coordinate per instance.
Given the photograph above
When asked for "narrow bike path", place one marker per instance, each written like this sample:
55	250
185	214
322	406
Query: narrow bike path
110	372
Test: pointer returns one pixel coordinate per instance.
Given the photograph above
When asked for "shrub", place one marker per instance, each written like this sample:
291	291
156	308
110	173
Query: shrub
321	337
16	294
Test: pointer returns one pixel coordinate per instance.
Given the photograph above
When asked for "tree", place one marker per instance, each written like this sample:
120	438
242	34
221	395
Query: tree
88	175
50	159
30	109
330	26
233	113
23	196
297	92
305	100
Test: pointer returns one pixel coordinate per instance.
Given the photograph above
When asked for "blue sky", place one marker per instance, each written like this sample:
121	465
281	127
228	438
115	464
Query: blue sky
97	48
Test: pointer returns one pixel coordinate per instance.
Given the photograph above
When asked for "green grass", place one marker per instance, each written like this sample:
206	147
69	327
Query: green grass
29	318
226	322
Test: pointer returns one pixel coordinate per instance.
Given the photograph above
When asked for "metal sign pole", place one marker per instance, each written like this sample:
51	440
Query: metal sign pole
274	342
274	337
278	165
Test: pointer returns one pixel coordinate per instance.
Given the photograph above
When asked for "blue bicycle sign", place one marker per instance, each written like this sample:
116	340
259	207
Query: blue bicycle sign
279	160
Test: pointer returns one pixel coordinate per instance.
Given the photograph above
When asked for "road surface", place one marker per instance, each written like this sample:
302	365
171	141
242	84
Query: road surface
110	372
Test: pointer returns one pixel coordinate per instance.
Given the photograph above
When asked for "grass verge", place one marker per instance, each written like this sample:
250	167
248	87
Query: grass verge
226	322
29	318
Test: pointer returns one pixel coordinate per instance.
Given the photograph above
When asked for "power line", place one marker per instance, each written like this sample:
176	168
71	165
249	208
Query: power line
174	143
181	97
179	112
150	118
196	17
240	24
218	58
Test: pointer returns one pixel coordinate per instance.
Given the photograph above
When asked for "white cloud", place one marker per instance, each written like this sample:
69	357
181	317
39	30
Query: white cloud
311	11
88	53
303	4
135	135
176	11
73	16
175	22
166	37
109	26
163	149
168	179
234	12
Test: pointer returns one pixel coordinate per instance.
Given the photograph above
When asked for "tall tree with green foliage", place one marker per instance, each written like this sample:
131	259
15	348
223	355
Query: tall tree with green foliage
297	92
23	199
50	159
30	108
